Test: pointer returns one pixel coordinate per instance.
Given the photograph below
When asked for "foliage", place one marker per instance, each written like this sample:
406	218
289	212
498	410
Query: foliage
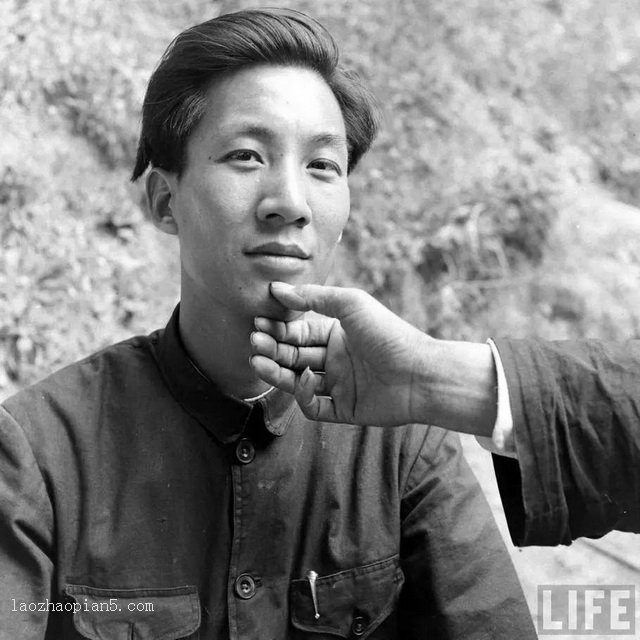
492	112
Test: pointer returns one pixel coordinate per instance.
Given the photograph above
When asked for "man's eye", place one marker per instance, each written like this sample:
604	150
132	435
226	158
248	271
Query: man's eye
243	155
325	166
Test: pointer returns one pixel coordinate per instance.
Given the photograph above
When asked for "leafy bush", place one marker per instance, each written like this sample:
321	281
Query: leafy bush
492	110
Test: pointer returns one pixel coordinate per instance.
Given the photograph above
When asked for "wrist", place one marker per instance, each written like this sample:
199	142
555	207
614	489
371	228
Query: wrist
422	385
454	386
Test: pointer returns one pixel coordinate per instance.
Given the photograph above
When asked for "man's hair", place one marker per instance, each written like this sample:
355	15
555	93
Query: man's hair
176	97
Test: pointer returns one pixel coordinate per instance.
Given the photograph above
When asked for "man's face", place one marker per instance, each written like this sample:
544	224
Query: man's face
264	195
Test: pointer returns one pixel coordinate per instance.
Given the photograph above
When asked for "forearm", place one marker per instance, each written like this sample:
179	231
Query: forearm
575	410
454	387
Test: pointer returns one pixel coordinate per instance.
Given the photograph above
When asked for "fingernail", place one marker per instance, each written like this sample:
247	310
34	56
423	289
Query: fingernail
306	377
288	290
261	324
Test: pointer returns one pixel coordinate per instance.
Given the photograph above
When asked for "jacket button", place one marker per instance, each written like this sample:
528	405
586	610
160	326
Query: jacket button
358	625
245	586
245	451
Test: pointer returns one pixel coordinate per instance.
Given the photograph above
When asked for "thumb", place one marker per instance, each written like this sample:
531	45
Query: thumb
335	302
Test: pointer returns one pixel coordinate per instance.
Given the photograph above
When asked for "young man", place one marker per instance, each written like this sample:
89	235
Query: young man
159	489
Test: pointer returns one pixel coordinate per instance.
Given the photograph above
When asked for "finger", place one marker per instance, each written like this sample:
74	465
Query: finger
275	328
272	373
312	330
304	388
286	355
313	406
320	388
335	302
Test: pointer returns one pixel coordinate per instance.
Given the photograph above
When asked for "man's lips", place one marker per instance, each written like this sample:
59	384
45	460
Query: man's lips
279	249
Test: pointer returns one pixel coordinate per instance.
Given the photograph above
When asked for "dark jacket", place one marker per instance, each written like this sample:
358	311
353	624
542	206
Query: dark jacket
576	412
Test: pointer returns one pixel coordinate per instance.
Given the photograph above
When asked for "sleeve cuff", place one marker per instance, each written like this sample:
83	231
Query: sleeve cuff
501	441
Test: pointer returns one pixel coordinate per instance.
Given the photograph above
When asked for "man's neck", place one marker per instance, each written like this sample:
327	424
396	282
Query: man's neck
218	343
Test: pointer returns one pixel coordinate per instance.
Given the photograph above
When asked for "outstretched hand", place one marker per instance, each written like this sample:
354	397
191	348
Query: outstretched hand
353	361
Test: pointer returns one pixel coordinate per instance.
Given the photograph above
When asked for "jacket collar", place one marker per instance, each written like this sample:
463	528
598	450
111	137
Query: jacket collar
224	416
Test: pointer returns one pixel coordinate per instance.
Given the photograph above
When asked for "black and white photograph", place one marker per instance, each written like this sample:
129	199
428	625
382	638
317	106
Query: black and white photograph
319	320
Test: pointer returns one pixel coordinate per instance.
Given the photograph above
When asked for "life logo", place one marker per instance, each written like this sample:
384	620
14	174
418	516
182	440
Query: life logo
587	610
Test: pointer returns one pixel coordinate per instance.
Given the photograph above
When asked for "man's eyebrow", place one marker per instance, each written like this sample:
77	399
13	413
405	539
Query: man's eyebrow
253	131
262	132
330	140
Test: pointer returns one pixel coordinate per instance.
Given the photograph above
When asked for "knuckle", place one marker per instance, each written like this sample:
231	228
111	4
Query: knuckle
285	355
359	297
305	333
295	357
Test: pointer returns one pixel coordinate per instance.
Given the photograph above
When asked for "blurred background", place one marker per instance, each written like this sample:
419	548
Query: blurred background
499	199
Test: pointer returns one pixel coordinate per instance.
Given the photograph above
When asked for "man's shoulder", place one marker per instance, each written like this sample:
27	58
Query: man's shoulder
77	384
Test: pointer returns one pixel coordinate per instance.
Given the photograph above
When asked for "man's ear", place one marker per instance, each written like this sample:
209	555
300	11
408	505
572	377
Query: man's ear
159	188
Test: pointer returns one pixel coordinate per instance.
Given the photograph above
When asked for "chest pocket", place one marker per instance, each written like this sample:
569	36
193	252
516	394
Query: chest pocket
358	603
135	614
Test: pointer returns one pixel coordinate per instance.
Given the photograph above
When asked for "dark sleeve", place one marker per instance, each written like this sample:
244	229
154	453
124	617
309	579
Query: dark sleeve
576	412
459	579
26	524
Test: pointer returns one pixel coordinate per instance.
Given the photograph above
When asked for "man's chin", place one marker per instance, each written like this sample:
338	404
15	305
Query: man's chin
265	305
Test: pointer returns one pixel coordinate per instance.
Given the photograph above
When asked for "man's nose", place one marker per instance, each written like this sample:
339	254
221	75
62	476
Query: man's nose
284	199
